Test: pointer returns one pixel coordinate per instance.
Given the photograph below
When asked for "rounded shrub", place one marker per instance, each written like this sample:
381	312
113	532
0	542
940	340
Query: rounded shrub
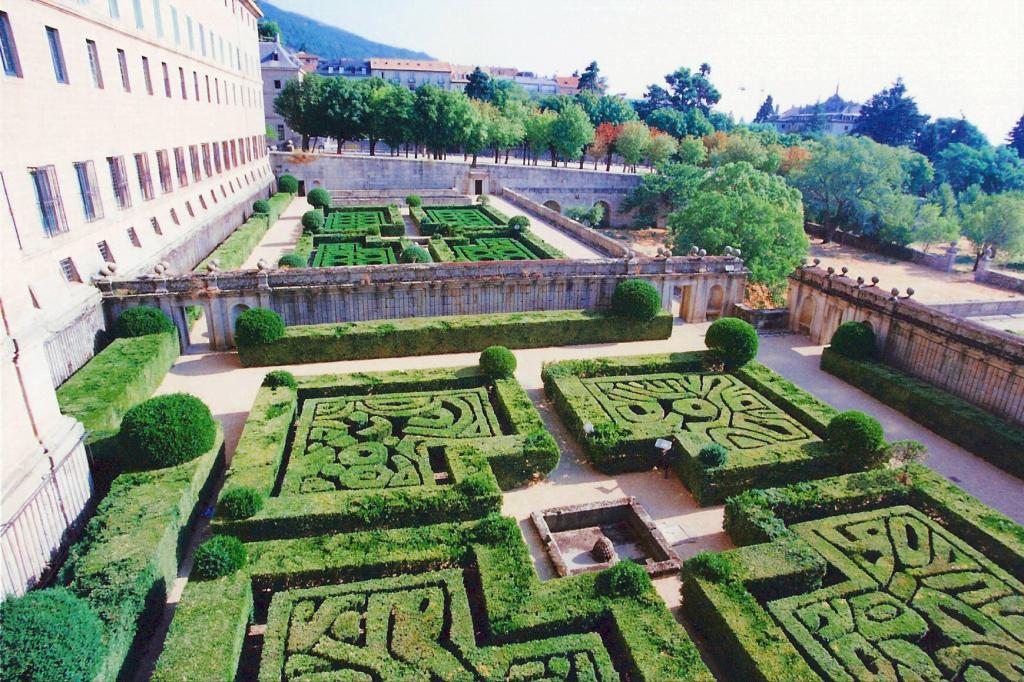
166	431
475	486
519	222
497	362
624	579
288	183
855	340
855	433
495	529
319	198
291	260
142	321
261	206
312	221
413	200
713	455
219	556
415	254
637	299
733	341
240	502
711	566
49	635
258	326
279	378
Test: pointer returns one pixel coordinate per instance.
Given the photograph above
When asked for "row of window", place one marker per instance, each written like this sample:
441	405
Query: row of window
236	94
225	156
70	270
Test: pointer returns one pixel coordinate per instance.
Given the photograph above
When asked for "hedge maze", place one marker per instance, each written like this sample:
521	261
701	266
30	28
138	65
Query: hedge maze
462	216
331	255
493	249
358	221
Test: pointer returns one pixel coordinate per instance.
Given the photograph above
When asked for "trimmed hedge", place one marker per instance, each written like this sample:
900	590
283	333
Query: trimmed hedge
142	321
855	434
313	221
734	341
236	249
456	334
258	327
498	362
986	435
854	340
219	556
319	198
261	206
415	254
637	299
129	554
167	430
291	260
288	184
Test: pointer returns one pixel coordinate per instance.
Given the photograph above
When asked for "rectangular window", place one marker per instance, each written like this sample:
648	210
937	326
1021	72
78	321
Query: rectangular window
115	11
207	165
184	88
216	157
137	6
216	86
180	167
94	63
174	25
167	79
163	166
280	131
191	36
145	178
202	201
277	85
119	179
8	51
90	190
51	208
146	75
105	253
208	97
195	82
193	152
60	69
227	155
70	272
174	217
234	154
159	19
122	63
156	225
202	40
133	237
191	211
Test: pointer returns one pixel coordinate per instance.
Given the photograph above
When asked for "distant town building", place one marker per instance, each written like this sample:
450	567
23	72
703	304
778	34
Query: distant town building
568	85
344	68
278	65
309	61
539	86
413	73
834	116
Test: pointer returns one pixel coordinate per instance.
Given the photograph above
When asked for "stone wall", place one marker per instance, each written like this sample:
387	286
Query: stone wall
936	261
76	342
580	232
1004	280
564	186
706	287
977	363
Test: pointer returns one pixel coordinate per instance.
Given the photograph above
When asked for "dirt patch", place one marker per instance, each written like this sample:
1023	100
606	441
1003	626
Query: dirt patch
645	242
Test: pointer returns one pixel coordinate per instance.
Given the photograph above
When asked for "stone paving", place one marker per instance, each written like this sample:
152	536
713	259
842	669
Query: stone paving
282	235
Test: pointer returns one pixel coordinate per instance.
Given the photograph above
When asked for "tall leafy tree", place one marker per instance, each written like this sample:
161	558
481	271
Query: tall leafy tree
660	148
670	189
591	79
938	134
269	31
655	97
1016	137
345	109
395	117
766	112
993	170
611	109
604	144
692	90
632	141
301	104
996	222
891	117
480	86
537	127
571	132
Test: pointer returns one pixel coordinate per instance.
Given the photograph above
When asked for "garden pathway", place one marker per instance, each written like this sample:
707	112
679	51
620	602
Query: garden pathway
282	235
548	232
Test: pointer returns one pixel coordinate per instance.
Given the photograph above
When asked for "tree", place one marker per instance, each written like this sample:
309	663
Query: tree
591	79
300	104
794	159
692	90
669	121
660	147
740	206
571	132
345	109
692	151
743	145
1015	139
631	143
537	127
474	127
932	225
891	117
269	31
938	134
656	97
479	86
994	170
507	127
766	112
604	144
670	189
390	112
995	222
610	109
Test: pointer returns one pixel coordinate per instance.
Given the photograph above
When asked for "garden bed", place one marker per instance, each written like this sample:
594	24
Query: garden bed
449	220
364	220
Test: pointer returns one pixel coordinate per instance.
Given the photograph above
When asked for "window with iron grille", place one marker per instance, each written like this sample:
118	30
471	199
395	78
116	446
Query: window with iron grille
216	157
207	165
216	87
119	179
60	69
156	225
213	195
227	155
67	267
146	75
167	78
180	167
174	217
145	177
122	64
94	63
208	97
92	205
163	166
8	50
133	237
105	253
234	154
191	211
197	169
51	208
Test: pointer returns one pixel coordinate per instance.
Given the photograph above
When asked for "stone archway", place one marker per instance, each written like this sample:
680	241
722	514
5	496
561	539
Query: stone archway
236	311
553	205
716	301
806	317
606	215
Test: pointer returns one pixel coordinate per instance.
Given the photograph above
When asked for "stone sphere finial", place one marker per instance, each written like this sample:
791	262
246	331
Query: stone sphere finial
844	270
159	268
910	292
262	264
694	250
727	251
831	270
860	281
895	292
702	253
874	281
816	261
737	253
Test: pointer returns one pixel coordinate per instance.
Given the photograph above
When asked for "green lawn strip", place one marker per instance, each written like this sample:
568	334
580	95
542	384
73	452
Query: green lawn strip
969	426
129	554
460	333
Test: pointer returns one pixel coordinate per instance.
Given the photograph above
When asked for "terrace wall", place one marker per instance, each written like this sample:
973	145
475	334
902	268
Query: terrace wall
980	364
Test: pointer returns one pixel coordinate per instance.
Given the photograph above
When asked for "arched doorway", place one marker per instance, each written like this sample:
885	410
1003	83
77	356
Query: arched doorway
553	205
806	317
236	311
716	299
606	214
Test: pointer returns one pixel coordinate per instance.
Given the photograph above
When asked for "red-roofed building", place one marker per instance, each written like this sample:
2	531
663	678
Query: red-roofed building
413	73
568	85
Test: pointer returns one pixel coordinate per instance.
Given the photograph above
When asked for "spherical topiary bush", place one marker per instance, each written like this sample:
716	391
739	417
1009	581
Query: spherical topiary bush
240	502
219	556
258	326
624	579
413	200
713	455
519	222
855	433
415	254
312	222
166	431
49	635
291	260
319	198
733	341
497	362
142	321
637	299
288	183
279	378
855	340
261	206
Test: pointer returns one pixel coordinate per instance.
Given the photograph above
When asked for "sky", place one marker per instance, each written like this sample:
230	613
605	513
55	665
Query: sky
956	56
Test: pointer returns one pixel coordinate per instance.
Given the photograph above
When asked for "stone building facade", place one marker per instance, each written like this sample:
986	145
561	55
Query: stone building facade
278	65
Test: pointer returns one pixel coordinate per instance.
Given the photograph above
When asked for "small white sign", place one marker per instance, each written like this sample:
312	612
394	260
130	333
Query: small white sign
662	444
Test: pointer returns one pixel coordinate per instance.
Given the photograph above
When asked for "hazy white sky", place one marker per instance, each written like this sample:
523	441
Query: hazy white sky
956	56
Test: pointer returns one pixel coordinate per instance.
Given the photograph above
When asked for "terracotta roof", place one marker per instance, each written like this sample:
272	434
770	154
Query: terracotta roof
410	65
568	81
